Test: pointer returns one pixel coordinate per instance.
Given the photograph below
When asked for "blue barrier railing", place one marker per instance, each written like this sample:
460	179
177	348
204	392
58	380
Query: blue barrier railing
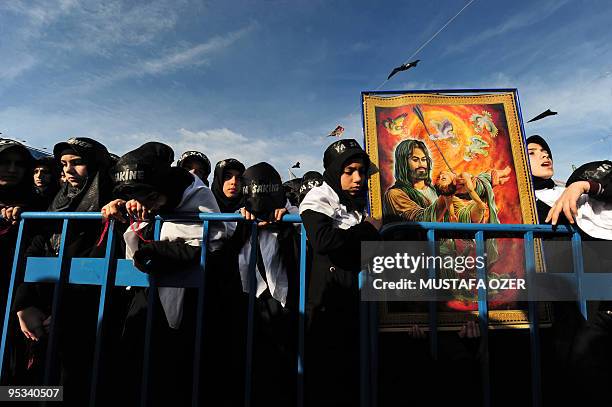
109	272
588	286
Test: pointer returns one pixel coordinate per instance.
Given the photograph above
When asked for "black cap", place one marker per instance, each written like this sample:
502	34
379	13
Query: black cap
46	162
94	153
342	150
50	163
114	158
82	145
230	164
9	144
263	190
595	171
195	155
141	171
310	180
541	142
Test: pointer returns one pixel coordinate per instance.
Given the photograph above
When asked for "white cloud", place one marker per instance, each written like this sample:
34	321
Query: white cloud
19	64
34	31
222	143
40	13
185	57
193	55
100	27
96	27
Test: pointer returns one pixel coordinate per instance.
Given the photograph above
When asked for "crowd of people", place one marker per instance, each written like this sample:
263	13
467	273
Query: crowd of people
82	176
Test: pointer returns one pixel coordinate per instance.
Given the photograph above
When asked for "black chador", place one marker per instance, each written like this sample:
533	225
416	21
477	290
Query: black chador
335	225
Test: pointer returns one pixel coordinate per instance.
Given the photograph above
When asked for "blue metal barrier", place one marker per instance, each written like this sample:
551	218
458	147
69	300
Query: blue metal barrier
527	232
109	272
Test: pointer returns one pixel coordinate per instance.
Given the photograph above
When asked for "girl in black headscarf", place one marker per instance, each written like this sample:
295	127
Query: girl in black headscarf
573	361
227	189
226	303
85	166
336	222
145	184
196	163
15	196
15	179
542	170
226	185
581	348
46	179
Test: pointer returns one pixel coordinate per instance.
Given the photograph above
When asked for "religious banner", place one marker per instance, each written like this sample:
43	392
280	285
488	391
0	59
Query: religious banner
453	158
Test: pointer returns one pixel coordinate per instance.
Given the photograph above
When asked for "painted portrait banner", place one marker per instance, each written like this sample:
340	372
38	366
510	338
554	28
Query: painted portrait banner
453	158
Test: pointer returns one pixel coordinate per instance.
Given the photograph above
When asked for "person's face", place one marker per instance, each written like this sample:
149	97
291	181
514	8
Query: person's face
417	163
353	177
539	161
446	183
74	169
42	177
231	183
445	178
196	168
12	168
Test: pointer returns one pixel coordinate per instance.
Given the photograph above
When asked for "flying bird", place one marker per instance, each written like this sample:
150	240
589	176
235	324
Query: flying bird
542	115
337	132
403	67
296	165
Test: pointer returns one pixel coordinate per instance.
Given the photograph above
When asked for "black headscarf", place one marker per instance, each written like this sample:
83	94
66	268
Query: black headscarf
598	171
20	194
310	180
51	189
195	156
263	190
539	182
147	169
227	205
292	190
335	158
95	193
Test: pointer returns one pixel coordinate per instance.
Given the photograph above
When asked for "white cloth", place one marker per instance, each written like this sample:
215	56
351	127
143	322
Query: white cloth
594	217
549	195
276	274
196	198
325	200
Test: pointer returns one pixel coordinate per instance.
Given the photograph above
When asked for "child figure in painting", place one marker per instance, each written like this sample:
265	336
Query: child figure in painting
468	198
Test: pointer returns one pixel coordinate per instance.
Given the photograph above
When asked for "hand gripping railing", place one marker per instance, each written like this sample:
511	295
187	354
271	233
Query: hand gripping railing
109	272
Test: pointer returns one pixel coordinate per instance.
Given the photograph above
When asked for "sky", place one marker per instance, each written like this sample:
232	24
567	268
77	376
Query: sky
268	80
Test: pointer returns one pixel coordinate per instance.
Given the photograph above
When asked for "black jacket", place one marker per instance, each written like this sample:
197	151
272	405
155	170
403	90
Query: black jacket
335	253
333	309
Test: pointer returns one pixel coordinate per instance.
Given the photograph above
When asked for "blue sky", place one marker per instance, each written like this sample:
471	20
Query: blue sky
267	80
